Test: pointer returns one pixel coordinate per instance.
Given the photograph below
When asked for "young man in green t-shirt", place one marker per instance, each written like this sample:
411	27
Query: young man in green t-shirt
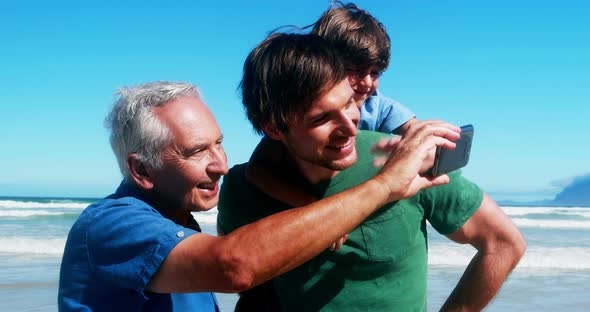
293	93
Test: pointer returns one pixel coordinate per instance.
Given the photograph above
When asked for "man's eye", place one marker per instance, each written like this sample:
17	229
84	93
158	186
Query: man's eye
319	119
196	153
350	104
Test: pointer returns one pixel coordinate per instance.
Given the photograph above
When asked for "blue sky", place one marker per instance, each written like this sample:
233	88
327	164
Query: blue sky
517	70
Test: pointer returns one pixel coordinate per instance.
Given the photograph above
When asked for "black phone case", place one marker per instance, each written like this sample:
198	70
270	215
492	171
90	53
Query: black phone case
446	160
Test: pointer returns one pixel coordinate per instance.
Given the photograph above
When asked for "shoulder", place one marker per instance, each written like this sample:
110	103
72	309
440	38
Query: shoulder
130	226
233	182
378	99
236	174
384	114
449	206
126	221
122	208
237	200
241	202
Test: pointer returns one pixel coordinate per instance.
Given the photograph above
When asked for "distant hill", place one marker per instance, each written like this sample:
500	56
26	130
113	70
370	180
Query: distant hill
577	193
543	203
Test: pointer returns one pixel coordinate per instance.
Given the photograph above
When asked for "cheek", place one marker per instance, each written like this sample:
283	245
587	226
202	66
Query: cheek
375	85
196	173
309	140
359	103
354	112
189	174
329	133
359	99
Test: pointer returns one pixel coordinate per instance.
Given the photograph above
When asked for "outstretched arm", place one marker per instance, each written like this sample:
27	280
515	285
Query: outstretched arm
257	252
499	246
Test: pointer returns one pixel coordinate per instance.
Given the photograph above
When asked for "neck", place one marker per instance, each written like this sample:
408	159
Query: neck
179	217
169	209
312	172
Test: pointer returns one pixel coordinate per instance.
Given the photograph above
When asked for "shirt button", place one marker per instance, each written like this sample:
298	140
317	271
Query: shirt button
180	234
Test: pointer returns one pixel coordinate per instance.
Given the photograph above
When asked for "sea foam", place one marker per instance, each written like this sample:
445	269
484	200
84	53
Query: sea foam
29	213
551	224
16	204
566	211
571	258
28	245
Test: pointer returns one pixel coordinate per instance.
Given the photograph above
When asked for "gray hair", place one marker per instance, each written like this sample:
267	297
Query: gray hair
134	127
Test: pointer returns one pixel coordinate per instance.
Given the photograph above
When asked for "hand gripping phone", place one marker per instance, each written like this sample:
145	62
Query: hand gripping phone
447	160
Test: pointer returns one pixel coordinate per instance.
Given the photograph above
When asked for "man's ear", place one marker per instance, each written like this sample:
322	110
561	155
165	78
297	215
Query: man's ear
139	172
272	132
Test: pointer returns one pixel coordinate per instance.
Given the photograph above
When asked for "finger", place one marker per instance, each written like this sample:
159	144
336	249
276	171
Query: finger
436	181
436	123
426	145
338	244
379	161
439	141
434	127
443	129
386	145
332	247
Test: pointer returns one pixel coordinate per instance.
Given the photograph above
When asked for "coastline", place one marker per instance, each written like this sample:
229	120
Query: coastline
553	275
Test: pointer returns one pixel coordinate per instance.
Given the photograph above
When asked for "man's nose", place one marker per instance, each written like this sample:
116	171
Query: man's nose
350	121
365	82
218	162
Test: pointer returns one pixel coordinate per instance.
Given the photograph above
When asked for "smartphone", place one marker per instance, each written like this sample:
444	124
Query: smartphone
447	160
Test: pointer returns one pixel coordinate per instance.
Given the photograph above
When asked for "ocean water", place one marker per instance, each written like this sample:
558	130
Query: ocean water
553	275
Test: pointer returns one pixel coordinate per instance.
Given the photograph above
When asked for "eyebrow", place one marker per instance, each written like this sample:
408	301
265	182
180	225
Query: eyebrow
198	146
185	152
351	99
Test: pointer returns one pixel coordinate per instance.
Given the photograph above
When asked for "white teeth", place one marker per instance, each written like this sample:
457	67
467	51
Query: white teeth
208	186
343	145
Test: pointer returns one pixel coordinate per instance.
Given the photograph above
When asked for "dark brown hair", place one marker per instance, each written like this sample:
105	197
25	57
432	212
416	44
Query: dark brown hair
284	74
360	38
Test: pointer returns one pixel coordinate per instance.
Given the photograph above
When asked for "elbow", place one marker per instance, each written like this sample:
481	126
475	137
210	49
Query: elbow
514	249
519	247
510	248
236	270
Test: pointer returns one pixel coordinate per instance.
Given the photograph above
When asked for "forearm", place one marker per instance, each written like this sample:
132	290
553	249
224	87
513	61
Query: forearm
482	279
259	251
480	282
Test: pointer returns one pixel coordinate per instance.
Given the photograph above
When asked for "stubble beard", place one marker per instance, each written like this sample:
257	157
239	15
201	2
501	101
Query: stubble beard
329	164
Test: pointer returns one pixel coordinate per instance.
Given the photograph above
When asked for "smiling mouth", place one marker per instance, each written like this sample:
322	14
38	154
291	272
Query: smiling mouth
207	186
342	145
361	94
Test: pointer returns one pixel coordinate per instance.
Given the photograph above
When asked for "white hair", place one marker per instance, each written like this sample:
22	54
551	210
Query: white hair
134	127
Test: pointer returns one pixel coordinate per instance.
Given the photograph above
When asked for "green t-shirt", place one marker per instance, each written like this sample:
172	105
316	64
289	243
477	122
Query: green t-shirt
382	266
